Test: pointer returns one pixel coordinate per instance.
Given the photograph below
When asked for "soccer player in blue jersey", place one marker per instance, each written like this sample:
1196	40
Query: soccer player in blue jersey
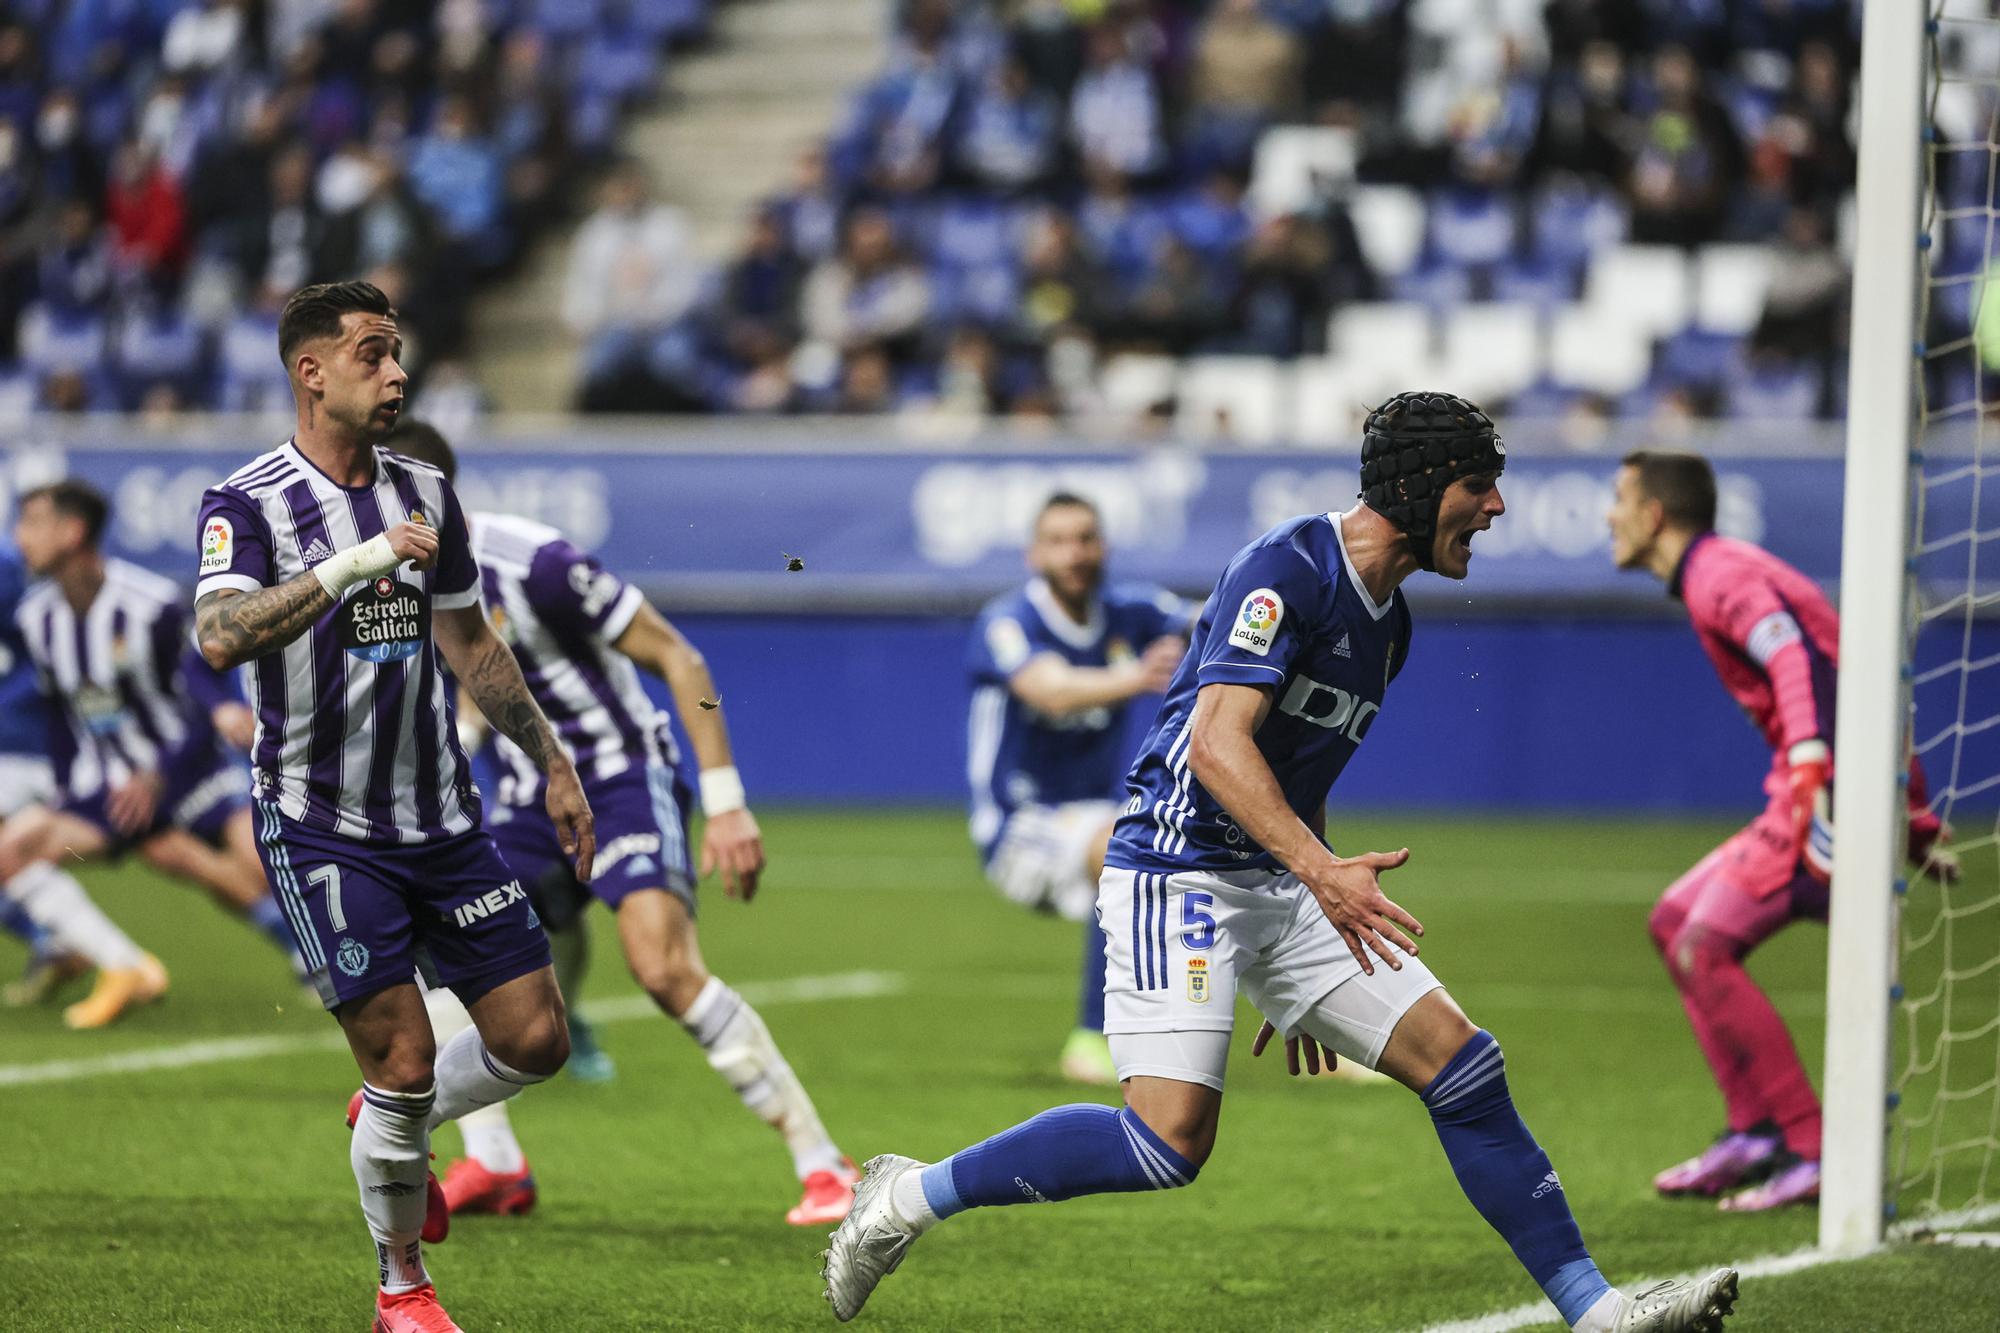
1219	877
1053	666
344	576
582	634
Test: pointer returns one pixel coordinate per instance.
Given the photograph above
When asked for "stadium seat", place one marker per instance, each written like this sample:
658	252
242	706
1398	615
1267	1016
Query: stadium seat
1697	357
1297	166
1730	282
1374	342
1469	227
1389	222
1441	286
1785	390
1645	286
1589	350
1543	283
1133	383
1232	399
162	347
56	341
1326	405
1572	224
1492	350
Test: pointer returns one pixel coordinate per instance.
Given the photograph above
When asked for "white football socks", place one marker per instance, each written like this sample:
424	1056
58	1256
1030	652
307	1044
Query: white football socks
391	1158
1602	1316
488	1133
739	1047
910	1204
470	1077
57	903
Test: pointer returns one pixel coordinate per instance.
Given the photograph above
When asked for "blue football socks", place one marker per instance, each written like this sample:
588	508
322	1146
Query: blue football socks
1062	1153
1507	1176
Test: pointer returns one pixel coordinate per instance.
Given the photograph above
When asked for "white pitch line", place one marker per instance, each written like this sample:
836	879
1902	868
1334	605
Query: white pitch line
1770	1265
227	1050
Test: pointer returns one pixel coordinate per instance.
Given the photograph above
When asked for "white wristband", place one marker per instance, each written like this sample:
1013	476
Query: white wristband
1812	751
342	570
721	791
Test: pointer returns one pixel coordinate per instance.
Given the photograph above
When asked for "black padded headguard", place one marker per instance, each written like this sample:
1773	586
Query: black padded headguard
1412	448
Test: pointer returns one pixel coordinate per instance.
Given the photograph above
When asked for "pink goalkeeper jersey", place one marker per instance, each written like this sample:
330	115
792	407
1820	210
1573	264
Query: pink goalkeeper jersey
1772	634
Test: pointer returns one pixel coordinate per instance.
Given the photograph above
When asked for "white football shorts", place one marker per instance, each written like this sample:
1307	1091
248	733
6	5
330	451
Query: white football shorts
25	780
1179	946
1040	859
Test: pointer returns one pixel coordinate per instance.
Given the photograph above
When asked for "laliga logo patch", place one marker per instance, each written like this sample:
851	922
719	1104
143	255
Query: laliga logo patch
1257	622
1197	974
217	536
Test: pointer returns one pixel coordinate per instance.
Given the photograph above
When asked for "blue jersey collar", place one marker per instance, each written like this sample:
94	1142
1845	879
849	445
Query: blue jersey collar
1080	637
1354	575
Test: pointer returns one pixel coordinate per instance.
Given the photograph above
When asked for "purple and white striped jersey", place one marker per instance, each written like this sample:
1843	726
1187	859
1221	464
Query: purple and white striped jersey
115	672
354	722
560	611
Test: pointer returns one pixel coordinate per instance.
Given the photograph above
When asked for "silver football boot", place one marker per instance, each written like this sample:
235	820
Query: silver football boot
870	1241
1680	1305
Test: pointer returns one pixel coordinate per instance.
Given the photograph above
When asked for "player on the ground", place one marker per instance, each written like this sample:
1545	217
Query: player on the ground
1219	877
1774	640
137	763
65	932
344	576
581	634
1053	665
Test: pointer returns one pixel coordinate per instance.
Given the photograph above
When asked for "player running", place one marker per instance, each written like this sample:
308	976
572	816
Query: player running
580	633
64	930
137	763
1053	665
1774	640
344	576
1218	876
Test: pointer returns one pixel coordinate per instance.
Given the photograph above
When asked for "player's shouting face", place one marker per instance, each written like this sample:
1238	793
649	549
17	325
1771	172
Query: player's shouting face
1470	505
356	375
1068	551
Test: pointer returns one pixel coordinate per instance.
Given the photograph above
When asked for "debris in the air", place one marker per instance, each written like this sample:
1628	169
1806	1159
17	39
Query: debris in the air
793	564
708	705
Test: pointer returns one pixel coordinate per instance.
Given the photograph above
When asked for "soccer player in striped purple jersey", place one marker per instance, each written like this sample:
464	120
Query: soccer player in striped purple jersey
343	574
581	634
1219	879
136	761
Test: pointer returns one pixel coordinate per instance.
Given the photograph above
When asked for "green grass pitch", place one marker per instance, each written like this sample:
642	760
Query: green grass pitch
217	1196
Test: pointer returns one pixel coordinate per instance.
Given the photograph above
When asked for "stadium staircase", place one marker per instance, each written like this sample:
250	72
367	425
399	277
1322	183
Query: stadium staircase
771	79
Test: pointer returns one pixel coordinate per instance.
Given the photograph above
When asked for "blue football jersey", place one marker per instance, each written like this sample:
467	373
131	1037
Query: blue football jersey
24	716
1289	614
1016	756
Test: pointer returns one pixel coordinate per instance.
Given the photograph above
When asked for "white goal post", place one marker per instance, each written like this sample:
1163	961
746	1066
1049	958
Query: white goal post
1871	722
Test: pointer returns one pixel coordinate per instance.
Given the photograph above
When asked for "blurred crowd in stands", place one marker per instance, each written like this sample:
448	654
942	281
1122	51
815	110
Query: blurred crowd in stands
171	169
1609	208
1032	188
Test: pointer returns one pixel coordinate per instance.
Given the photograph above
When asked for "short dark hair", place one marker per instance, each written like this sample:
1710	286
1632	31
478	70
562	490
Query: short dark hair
315	312
1683	483
1068	500
425	443
74	499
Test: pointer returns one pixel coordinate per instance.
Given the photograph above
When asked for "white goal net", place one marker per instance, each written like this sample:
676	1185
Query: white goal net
1944	1153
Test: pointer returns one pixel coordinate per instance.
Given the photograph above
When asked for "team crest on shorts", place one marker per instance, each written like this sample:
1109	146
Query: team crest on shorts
351	957
1197	981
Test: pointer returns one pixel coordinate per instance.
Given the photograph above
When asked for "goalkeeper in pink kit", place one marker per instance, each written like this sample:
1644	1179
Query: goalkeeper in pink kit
1774	639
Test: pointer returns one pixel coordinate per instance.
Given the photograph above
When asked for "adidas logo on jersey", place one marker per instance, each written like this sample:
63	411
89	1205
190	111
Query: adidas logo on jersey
1550	1185
1342	649
317	551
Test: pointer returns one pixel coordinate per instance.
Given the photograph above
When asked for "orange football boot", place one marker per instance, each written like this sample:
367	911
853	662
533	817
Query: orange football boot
116	990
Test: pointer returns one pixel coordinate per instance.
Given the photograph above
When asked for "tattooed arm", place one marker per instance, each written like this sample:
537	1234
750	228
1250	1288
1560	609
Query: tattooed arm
491	676
236	627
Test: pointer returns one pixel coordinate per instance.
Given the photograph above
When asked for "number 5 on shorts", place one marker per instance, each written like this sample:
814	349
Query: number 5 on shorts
1197	926
330	876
